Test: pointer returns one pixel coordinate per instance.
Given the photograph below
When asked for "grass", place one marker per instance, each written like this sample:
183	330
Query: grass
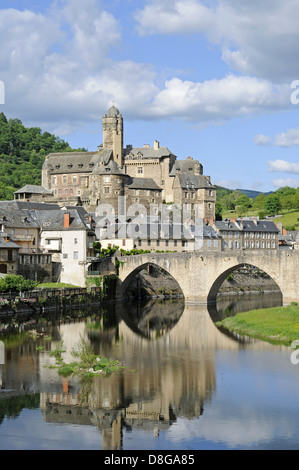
55	285
279	325
287	219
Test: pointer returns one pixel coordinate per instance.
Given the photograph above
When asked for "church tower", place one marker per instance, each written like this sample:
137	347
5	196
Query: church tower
113	131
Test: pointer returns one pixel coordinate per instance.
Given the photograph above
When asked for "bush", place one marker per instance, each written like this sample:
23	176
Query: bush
14	283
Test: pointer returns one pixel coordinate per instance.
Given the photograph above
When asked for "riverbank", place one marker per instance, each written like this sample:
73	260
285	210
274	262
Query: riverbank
278	325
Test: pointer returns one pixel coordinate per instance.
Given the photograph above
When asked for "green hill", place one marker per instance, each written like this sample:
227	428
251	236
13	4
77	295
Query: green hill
22	154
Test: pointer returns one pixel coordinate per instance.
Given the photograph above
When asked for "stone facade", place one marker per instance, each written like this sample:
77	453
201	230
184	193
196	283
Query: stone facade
93	178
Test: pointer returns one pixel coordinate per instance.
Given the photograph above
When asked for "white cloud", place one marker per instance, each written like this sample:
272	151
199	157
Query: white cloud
281	182
57	68
287	139
216	100
261	139
283	166
256	37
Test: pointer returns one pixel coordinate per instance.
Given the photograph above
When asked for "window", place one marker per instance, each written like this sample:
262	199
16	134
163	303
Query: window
75	179
107	179
60	191
139	242
106	190
65	255
66	192
136	192
186	195
75	241
147	192
76	254
54	180
64	179
140	170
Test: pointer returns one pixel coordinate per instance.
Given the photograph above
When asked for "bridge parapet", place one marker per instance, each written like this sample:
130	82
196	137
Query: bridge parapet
201	274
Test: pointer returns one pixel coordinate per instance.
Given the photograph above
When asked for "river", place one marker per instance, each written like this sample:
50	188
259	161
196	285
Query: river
184	384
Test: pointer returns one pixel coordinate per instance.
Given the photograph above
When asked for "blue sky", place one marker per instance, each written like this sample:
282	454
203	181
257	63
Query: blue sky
210	79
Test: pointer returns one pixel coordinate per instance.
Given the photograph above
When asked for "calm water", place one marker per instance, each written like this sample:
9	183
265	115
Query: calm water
185	385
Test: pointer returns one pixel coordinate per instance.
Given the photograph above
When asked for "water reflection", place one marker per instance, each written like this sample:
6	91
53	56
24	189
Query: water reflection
168	351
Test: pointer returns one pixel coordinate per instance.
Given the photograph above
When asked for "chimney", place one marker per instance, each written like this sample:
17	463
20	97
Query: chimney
67	220
156	145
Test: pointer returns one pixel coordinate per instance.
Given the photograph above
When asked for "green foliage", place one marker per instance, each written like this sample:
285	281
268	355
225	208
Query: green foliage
284	200
86	362
272	205
22	154
13	283
278	325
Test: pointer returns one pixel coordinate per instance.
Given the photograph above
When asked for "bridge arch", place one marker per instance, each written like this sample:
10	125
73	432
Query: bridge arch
127	281
214	289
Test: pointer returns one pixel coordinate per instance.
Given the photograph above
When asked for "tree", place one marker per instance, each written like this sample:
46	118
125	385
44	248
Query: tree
272	205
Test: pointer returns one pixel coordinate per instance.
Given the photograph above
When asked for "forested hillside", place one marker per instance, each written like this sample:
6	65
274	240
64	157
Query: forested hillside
22	153
283	201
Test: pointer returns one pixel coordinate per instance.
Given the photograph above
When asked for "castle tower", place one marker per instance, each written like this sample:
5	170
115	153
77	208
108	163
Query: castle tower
113	131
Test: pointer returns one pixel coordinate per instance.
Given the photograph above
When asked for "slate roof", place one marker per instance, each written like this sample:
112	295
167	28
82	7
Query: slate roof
143	183
147	153
13	217
5	244
247	225
185	166
191	181
54	220
33	189
111	168
76	162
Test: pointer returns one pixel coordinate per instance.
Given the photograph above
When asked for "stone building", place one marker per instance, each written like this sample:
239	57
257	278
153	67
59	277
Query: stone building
247	234
145	175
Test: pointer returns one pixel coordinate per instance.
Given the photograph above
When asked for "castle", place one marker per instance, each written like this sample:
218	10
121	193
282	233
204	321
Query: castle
143	175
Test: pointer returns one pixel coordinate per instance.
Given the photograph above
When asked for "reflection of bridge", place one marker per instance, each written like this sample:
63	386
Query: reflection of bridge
201	274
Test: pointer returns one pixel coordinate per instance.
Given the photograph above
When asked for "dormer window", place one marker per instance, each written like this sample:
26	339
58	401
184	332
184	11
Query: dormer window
57	167
70	166
91	165
80	165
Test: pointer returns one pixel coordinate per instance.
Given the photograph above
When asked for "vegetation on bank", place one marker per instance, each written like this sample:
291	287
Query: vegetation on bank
87	363
278	325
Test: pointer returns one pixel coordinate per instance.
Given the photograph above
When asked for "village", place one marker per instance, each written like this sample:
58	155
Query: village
54	232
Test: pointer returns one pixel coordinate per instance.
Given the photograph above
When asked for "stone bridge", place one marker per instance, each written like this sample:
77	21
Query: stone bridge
200	275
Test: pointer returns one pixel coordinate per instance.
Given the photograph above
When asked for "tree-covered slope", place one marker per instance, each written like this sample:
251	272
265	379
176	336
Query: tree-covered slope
22	154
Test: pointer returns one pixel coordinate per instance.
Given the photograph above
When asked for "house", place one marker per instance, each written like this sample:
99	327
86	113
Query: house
19	226
252	234
67	234
150	234
9	252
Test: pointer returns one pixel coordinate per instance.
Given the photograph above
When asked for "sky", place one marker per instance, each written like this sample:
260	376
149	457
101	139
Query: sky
217	80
